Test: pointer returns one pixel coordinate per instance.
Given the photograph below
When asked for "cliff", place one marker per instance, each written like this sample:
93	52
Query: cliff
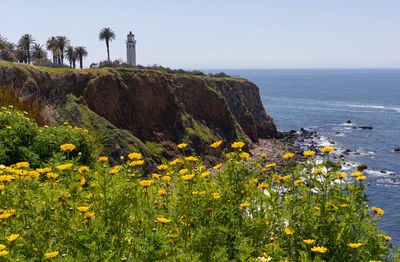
141	109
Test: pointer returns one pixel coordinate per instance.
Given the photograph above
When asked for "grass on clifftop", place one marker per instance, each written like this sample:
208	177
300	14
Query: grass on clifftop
239	210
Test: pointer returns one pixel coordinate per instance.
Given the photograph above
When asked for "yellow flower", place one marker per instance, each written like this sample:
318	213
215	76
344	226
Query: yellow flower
82	180
181	146
174	162
320	249
64	167
114	171
288	155
12	237
264	155
270	165
136	163
263	185
66	123
67	147
2	247
183	171
205	174
309	241
22	165
166	178
191	158
135	156
163	220
317	208
356	174
308	153
341	175
244	204
162	167
237	145
217	166
83	169
103	159
2	187
344	205
146	183
216	195
354	245
289	231
216	144
245	155
52	175
162	192
83	209
3	253
51	254
155	176
89	215
361	178
5	215
317	171
188	177
378	210
43	170
327	149
299	181
9	127
388	238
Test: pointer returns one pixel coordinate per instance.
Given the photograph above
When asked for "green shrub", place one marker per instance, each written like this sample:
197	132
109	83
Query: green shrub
22	140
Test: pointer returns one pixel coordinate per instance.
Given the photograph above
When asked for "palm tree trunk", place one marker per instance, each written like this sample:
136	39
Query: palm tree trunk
74	63
81	61
108	50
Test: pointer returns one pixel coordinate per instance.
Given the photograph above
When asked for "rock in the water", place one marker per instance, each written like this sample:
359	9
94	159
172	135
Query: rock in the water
397	149
383	171
365	127
348	122
362	167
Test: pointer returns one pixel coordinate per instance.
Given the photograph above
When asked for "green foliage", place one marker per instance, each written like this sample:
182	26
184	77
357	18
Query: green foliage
243	210
22	140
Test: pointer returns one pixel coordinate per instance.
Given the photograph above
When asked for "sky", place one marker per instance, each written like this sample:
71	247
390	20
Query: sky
220	34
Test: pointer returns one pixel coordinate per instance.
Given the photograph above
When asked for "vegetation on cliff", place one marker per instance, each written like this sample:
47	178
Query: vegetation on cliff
239	210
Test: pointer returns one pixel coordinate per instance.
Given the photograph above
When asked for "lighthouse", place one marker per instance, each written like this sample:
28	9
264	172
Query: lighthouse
131	49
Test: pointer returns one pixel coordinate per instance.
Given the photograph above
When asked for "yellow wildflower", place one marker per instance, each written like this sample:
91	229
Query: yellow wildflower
181	146
263	185
162	192
52	175
264	155
89	215
162	167
114	171
135	156
136	163
344	205
289	231
354	245
327	149
174	162
146	183
103	159
166	178
317	208
288	155
317	171
205	174
51	254
22	165
320	249
2	187
12	237
270	165
191	158
378	210
217	166
244	204
356	174
83	169
163	220
183	171
3	253
83	209
216	144
64	167
245	155
360	178
155	176
188	177
341	175
216	195
237	145
308	153
299	181
2	247
82	180
67	147
309	241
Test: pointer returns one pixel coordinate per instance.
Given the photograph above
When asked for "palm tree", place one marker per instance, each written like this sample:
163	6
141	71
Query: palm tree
38	52
108	35
61	43
7	50
51	45
25	43
81	52
71	56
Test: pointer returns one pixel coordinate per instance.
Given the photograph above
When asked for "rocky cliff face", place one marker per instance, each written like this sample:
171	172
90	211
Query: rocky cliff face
146	110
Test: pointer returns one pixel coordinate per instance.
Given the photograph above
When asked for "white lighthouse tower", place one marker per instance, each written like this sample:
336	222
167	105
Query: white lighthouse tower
131	49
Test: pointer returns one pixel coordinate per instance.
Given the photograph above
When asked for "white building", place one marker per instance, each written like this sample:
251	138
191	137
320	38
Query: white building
131	49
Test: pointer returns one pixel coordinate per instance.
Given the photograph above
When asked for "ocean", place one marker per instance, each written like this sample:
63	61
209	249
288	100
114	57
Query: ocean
323	100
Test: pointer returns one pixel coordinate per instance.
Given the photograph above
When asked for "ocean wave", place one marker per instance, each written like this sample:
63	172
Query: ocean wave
397	109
